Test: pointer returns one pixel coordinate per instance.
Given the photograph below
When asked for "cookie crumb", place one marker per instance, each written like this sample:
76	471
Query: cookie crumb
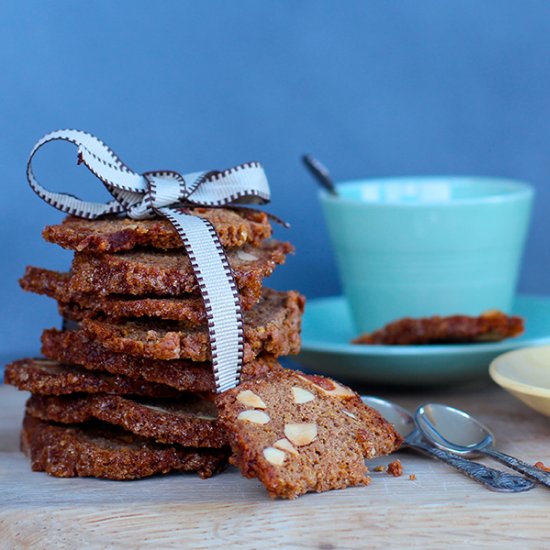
395	468
540	465
412	477
379	469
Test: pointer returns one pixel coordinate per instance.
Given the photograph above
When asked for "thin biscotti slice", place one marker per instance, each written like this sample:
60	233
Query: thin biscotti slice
156	273
189	420
104	452
297	433
76	348
491	326
234	228
45	377
272	327
56	285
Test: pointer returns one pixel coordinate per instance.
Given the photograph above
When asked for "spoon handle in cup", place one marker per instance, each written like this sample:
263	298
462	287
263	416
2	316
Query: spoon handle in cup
320	172
540	476
495	480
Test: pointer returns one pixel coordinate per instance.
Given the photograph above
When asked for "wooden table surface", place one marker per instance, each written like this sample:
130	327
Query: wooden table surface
441	507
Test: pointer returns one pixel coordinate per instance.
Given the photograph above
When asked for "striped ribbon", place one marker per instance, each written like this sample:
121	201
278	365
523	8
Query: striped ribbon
164	193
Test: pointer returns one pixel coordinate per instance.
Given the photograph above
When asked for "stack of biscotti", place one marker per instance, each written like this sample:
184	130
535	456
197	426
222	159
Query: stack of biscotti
126	389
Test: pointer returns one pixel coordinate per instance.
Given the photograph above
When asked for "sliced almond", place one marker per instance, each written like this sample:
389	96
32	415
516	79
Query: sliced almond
301	434
163	410
347	413
250	399
285	445
246	257
301	395
254	416
337	390
158	409
274	456
340	391
202	416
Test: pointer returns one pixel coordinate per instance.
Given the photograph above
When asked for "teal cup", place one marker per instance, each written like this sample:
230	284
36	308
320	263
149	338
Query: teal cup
422	246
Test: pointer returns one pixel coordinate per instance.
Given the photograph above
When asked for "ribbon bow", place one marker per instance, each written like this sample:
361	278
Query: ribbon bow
142	196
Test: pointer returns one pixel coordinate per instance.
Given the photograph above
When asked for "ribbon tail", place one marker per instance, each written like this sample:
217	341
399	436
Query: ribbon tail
271	216
219	292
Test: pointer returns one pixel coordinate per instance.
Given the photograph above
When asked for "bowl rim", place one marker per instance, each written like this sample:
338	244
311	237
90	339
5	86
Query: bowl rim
517	190
513	385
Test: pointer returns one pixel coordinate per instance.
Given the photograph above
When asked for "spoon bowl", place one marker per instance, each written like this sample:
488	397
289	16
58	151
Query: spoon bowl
456	431
452	429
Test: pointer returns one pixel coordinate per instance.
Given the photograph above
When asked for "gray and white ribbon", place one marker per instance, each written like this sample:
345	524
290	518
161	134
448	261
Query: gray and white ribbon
164	193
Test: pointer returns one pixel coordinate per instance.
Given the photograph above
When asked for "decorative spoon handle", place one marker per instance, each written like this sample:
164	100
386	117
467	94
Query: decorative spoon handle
532	472
491	478
320	172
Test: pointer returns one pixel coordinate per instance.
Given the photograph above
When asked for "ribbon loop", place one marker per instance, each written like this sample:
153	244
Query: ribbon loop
142	196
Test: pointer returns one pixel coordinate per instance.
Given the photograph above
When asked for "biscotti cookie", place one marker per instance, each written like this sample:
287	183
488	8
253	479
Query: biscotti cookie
170	273
75	347
56	285
272	327
491	326
42	376
189	420
234	228
298	434
100	451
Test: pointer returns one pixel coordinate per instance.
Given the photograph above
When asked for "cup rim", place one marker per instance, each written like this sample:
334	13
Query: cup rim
518	189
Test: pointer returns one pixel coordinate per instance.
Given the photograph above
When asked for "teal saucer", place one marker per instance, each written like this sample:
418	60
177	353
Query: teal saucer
327	331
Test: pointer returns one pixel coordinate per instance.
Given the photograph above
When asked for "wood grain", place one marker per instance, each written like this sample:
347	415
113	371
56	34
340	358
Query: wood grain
181	511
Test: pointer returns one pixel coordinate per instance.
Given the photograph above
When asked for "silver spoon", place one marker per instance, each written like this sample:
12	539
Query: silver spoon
455	430
320	172
404	423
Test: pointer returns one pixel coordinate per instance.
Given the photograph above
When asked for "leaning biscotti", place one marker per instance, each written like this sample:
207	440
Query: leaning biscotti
100	451
234	227
297	433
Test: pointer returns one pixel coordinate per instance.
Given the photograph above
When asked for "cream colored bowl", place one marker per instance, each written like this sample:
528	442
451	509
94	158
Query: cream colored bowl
525	373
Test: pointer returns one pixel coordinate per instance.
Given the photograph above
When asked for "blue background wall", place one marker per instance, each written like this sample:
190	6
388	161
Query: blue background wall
373	88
